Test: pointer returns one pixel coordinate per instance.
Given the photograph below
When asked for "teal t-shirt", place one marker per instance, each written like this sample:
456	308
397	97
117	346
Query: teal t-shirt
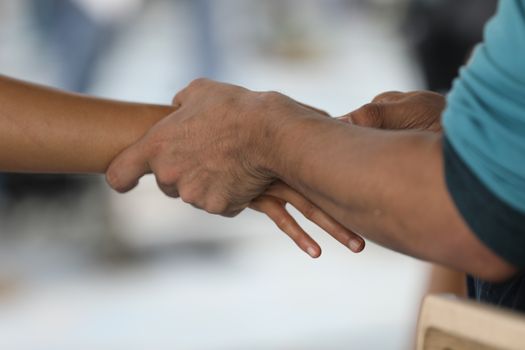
485	115
484	148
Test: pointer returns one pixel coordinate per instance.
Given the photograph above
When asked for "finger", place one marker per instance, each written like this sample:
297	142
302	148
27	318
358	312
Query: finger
346	237
276	211
388	115
370	115
169	190
166	175
125	171
376	114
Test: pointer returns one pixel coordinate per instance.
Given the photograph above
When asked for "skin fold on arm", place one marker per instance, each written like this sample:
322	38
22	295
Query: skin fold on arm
44	130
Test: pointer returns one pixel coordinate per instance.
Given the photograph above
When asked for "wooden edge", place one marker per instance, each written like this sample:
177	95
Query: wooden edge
467	319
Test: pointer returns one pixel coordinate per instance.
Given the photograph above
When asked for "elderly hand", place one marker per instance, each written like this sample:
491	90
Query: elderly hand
212	151
397	110
209	151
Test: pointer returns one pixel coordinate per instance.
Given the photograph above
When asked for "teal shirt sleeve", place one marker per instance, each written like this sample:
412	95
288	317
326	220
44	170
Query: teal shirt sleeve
484	125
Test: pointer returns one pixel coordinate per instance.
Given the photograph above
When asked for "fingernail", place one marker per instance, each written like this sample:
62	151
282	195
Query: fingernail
312	252
354	245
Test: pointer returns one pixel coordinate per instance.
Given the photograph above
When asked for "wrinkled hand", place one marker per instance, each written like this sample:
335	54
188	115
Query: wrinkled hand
208	151
211	152
397	110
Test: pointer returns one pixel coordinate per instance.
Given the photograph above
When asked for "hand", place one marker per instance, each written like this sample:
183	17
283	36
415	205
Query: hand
397	110
273	203
211	150
205	152
201	159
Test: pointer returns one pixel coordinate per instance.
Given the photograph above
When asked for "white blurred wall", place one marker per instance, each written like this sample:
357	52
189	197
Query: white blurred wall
187	280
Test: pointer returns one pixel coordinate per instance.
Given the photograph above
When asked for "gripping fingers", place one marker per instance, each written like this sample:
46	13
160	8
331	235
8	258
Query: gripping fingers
275	210
127	168
317	216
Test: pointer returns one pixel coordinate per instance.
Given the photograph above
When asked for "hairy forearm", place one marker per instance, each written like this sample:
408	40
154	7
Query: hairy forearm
47	130
387	185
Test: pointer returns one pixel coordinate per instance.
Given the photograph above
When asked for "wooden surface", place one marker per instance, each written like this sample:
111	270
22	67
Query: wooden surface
439	340
448	323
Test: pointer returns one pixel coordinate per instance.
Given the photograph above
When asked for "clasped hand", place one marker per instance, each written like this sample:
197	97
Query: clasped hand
214	152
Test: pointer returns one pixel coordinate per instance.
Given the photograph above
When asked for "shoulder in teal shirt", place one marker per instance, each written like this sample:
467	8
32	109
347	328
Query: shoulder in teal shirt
485	116
484	149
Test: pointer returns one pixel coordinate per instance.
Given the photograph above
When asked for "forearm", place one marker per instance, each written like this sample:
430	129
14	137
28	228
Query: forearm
46	130
387	185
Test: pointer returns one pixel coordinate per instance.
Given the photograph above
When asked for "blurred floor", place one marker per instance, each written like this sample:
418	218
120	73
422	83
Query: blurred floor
179	278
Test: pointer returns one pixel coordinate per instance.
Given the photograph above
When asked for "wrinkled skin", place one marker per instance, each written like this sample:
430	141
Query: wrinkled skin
203	154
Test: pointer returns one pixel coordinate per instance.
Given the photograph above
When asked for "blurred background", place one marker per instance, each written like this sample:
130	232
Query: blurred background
84	268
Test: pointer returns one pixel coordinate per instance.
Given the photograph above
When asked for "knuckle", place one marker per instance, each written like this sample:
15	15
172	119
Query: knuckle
359	118
310	211
199	82
216	206
282	222
170	191
371	109
232	213
188	195
386	96
371	114
272	97
166	177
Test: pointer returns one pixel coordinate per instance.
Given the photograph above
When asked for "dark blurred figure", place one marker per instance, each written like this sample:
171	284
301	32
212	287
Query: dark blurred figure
443	33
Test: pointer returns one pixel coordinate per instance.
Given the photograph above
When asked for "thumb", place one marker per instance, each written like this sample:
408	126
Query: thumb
125	171
380	115
370	115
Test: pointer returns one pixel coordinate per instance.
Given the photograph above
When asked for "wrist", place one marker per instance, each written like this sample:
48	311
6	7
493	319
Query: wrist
287	136
267	133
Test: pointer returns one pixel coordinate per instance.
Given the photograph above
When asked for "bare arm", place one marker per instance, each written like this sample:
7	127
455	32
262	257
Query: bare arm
47	130
415	110
388	186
